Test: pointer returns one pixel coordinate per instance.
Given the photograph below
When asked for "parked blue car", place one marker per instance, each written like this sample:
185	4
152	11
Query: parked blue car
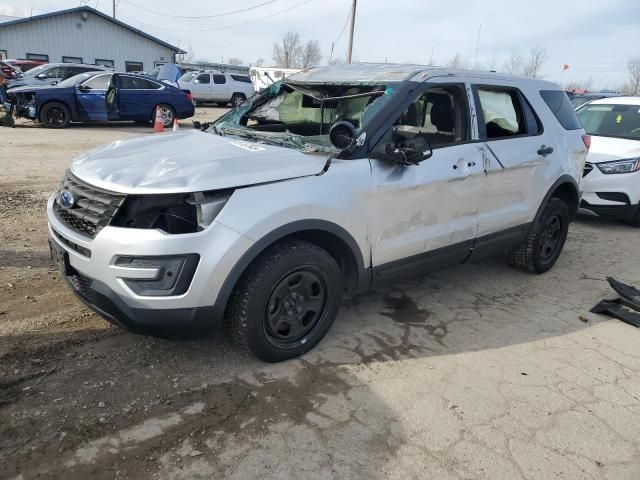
101	97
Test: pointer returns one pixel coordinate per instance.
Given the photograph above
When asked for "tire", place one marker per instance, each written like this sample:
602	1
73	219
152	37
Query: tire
237	99
286	301
635	220
542	247
168	114
55	115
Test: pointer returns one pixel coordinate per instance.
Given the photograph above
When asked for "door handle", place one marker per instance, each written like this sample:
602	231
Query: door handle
544	150
471	164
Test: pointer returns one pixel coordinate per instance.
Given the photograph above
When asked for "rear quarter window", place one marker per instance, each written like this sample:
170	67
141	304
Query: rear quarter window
560	105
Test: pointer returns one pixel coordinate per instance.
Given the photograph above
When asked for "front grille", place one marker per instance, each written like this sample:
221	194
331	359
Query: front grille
73	246
93	208
587	169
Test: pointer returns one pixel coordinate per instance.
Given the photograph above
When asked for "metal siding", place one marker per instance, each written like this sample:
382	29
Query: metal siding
59	36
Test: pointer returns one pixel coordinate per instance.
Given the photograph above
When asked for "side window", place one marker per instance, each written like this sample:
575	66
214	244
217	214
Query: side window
219	79
55	72
99	82
560	105
137	83
438	116
502	113
241	78
204	78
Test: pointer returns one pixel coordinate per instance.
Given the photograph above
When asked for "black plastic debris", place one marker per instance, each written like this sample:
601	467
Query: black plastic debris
626	308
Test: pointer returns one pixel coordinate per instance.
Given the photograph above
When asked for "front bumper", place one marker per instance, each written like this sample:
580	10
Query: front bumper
611	196
102	282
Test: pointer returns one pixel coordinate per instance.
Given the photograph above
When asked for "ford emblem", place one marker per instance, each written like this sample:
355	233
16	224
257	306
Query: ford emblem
66	199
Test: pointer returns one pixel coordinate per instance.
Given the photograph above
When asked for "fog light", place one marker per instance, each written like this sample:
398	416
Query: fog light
158	276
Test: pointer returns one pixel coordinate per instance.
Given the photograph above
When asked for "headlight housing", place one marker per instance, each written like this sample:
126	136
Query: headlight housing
174	214
628	165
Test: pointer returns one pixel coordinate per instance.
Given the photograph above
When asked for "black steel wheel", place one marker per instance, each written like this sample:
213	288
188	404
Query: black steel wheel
542	247
55	115
286	301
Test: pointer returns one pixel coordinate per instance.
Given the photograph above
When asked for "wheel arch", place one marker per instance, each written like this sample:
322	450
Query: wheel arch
327	235
566	188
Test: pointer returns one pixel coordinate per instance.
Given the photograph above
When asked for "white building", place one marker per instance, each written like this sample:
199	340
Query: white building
83	35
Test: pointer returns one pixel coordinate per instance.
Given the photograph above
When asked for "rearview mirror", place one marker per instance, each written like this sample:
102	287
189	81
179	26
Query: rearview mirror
409	152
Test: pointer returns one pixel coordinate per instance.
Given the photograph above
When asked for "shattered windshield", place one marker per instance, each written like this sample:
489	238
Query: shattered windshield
300	116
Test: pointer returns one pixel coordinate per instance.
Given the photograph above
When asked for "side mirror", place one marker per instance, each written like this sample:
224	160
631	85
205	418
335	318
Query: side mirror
41	76
410	152
342	134
196	81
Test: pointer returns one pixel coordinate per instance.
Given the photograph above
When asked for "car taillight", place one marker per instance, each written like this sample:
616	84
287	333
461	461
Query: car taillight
587	141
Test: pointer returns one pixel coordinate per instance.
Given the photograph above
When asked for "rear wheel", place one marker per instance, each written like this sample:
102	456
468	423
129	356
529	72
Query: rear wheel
55	115
167	113
286	301
237	99
542	247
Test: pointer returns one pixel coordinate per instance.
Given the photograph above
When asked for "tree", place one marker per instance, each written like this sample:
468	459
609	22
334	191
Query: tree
287	52
457	61
259	62
514	62
580	85
537	56
634	75
235	61
310	54
186	58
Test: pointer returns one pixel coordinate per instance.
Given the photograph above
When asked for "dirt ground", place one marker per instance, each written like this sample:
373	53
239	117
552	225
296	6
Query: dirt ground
477	372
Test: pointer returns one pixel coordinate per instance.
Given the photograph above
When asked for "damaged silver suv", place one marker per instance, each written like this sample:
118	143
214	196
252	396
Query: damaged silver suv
325	184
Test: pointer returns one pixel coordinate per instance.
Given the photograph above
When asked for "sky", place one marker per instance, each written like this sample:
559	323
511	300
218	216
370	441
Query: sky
595	38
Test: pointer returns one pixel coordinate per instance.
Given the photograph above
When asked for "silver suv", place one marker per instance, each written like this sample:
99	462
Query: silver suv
327	183
219	87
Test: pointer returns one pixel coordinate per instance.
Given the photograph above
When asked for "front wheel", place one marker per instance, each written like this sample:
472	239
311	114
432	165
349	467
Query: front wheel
168	115
542	247
286	301
55	115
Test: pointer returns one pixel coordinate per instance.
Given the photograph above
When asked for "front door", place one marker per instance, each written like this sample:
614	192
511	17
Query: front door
425	216
91	97
201	87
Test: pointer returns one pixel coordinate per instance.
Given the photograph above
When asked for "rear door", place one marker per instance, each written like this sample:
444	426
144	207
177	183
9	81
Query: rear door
220	90
517	153
91	98
138	97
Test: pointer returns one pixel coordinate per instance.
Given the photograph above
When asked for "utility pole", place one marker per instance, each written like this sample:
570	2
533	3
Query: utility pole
114	9
353	24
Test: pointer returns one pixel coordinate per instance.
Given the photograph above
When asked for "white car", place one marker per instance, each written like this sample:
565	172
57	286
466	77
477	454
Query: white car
611	186
213	86
328	183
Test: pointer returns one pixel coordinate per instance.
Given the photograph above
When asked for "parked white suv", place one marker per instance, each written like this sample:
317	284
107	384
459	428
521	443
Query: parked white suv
221	88
328	183
612	172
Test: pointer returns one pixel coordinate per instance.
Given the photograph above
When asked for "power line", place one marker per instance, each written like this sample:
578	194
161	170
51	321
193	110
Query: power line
226	27
200	16
346	22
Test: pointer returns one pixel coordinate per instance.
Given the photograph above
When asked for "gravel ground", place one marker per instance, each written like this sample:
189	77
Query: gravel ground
477	372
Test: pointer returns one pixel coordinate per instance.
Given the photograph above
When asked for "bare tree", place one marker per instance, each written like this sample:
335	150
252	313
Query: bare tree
310	54
537	56
235	61
634	75
259	62
287	52
580	85
513	64
186	57
337	61
457	61
493	63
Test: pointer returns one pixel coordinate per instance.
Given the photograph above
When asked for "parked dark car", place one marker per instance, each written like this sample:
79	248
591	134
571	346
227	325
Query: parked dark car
13	68
99	97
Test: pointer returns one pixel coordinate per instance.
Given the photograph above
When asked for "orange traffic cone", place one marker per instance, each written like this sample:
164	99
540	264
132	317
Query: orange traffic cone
158	124
175	124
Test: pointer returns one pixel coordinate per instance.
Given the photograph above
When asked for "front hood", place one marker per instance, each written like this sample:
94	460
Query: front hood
30	88
190	162
607	149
